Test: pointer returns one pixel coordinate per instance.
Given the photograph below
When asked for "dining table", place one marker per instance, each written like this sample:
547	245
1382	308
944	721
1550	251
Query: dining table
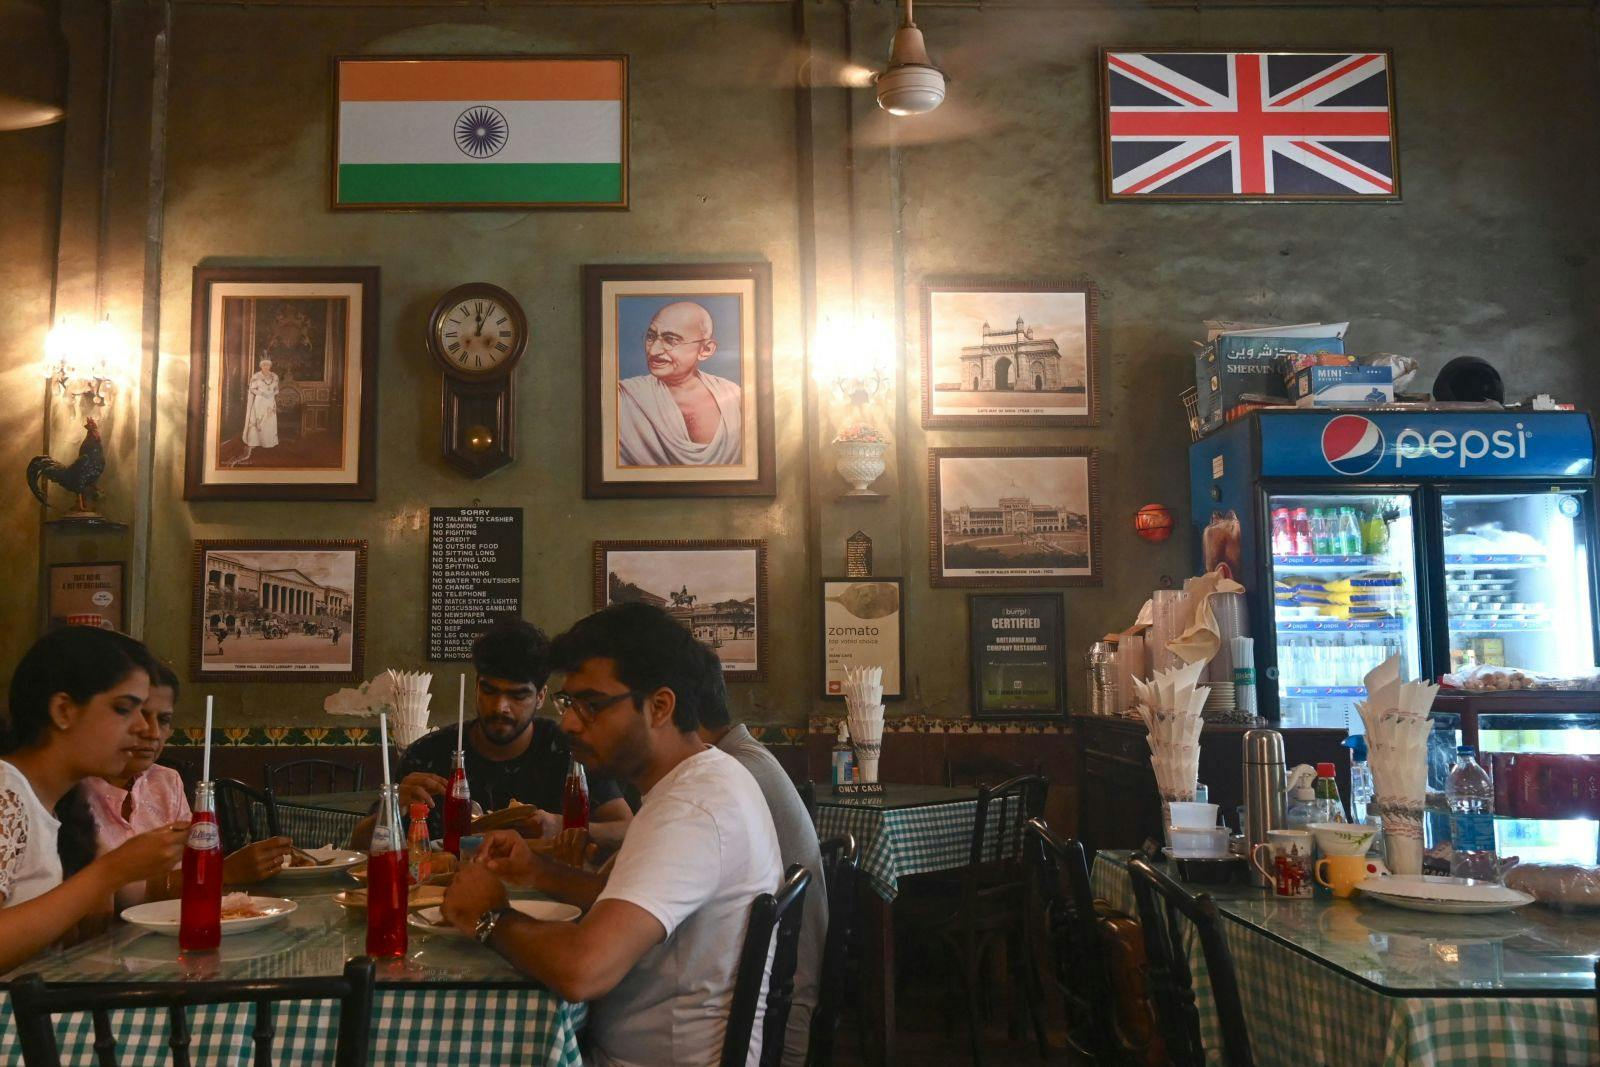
903	831
448	1000
1358	981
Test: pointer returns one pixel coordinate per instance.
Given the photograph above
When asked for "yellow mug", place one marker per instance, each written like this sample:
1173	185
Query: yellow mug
1344	873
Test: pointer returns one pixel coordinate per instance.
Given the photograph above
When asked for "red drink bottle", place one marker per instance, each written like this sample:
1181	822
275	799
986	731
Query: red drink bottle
386	882
575	798
200	915
457	807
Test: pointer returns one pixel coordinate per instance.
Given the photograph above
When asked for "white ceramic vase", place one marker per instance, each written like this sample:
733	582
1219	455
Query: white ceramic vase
860	463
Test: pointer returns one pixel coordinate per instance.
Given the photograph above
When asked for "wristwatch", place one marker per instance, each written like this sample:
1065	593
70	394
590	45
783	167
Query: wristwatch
487	922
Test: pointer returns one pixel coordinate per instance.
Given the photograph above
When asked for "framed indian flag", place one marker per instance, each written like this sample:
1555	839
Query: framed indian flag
457	133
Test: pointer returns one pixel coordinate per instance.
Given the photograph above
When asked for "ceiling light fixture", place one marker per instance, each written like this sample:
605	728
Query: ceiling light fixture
911	84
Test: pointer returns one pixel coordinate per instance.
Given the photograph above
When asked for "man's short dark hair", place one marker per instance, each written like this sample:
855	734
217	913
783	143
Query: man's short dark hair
515	650
649	648
711	703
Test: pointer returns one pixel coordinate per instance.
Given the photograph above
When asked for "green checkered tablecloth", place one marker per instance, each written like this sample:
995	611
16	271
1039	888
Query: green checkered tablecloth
411	1026
1302	1011
895	842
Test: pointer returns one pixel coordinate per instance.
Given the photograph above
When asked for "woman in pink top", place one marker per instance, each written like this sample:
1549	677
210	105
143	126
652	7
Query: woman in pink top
146	795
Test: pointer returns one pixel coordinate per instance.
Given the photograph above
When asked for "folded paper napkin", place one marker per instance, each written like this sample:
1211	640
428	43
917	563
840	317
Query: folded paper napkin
1171	705
863	687
409	683
1200	641
1395	714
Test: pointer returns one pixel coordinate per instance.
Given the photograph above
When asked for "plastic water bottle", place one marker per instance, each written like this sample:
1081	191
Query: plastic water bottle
1360	777
1471	797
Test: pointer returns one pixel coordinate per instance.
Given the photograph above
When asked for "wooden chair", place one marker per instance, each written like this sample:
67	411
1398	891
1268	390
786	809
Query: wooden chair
808	796
1078	956
34	1003
244	814
839	872
302	776
985	904
1163	906
781	912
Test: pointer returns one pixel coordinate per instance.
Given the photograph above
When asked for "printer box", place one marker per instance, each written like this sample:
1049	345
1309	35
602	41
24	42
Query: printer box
1343	386
1234	364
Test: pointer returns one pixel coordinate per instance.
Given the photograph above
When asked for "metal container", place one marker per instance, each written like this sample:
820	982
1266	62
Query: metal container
1264	785
1101	661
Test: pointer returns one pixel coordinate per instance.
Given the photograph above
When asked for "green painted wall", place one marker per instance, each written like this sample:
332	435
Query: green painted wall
1490	254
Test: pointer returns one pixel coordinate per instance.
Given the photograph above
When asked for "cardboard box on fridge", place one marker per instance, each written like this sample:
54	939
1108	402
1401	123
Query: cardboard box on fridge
1344	386
1246	361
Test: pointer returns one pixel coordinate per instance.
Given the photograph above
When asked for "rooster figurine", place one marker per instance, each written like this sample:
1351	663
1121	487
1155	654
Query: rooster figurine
78	477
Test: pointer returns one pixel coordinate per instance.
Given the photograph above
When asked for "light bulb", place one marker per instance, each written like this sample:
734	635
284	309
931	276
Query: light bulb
911	84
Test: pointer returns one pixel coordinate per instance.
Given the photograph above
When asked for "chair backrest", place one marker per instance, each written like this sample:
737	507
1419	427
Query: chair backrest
982	770
1078	955
244	814
996	850
808	796
302	776
782	913
1163	906
34	1003
839	873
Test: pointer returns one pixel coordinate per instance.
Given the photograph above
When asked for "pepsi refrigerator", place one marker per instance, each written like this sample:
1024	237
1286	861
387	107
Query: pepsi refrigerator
1451	538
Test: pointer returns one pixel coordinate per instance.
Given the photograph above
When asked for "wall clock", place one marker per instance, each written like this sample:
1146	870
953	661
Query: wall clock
477	333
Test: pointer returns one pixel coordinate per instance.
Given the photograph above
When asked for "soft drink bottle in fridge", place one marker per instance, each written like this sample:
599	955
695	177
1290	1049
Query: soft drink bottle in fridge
1321	533
200	911
1349	532
1282	533
1300	527
386	882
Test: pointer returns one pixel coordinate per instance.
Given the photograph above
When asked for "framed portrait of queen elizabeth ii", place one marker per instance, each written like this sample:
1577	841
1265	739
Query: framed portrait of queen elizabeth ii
283	385
677	380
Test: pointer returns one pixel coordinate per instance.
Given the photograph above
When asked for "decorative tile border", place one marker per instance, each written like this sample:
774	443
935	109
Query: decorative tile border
351	736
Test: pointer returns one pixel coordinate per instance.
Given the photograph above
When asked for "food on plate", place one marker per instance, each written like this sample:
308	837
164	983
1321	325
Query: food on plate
420	896
510	815
1568	884
241	906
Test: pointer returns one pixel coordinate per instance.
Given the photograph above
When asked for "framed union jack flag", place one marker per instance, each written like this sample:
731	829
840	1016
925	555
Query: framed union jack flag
1249	126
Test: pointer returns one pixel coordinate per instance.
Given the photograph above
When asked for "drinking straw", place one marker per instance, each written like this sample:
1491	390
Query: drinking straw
383	739
461	711
205	770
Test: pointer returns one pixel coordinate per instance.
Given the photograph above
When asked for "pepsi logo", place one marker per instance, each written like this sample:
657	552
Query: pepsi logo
1352	444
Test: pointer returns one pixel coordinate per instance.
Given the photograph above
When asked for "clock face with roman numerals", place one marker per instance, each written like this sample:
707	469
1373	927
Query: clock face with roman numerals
477	331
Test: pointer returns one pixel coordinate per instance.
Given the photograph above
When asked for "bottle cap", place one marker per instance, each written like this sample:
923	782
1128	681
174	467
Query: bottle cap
1357	744
419	810
1324	770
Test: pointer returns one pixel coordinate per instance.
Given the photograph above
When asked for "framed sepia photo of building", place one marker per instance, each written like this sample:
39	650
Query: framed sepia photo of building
678	380
283	384
1013	516
1021	354
716	589
278	611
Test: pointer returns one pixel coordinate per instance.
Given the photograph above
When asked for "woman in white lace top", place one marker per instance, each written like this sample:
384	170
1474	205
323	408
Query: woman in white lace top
76	709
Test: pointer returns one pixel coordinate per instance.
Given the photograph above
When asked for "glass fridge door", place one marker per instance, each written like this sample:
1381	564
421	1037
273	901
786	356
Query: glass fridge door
1517	570
1344	572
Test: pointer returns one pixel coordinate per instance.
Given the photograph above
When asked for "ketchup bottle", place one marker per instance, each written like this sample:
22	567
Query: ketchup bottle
200	917
575	798
386	881
457	807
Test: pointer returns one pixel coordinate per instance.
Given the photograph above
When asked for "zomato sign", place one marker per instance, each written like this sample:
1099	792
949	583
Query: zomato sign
1463	447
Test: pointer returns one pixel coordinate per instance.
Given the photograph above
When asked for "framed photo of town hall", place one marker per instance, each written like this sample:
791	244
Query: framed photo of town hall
716	589
1019	354
278	611
1013	516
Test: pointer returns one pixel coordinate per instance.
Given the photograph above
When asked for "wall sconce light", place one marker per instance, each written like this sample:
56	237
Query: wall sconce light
84	361
853	359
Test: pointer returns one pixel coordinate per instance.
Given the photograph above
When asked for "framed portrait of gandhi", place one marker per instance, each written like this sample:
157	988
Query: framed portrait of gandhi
678	380
283	384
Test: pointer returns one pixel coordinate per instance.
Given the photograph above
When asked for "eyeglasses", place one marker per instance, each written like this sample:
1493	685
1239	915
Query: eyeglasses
588	710
670	341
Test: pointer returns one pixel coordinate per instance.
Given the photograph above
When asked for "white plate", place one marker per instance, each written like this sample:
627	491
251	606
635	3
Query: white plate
1427	892
545	910
163	916
342	859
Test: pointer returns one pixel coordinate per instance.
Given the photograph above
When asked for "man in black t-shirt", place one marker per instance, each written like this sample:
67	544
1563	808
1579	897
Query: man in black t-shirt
511	753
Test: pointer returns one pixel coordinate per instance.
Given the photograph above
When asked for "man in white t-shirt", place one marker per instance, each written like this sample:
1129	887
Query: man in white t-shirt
658	952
